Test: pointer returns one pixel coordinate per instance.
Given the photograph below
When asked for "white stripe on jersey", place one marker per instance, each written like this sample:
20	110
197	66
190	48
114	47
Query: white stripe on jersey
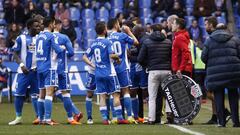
126	58
34	59
23	48
113	71
53	59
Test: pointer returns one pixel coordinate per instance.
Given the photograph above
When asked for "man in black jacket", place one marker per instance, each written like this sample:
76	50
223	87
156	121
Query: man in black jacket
156	52
221	54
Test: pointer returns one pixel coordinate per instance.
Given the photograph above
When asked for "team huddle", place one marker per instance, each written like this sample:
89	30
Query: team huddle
42	52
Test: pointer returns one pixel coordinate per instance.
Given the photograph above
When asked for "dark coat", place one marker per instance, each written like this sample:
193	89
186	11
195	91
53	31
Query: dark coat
156	52
221	55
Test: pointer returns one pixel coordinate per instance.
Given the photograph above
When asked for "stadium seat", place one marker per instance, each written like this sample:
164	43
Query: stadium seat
103	19
144	3
79	35
221	19
87	13
204	33
102	13
201	21
189	3
146	21
237	21
89	34
189	11
4	32
88	23
115	11
145	12
117	3
158	19
3	22
87	43
74	13
189	20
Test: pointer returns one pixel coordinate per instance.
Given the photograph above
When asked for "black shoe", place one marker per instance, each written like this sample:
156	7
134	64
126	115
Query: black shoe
211	122
150	122
227	115
236	125
221	126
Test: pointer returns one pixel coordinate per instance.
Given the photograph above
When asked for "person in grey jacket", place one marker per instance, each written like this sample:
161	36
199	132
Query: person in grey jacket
156	53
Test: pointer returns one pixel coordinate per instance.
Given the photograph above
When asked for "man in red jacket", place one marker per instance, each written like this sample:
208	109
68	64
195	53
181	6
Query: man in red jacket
181	54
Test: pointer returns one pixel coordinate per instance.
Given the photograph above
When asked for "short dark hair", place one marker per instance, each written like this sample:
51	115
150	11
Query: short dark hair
212	20
100	27
57	21
30	22
156	27
47	21
181	22
111	23
128	23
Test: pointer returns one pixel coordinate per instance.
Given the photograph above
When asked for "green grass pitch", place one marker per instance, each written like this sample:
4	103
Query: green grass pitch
7	114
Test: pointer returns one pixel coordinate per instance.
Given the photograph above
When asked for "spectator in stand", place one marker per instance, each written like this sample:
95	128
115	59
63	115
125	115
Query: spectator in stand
203	8
220	7
120	18
195	33
4	51
170	21
86	3
46	10
15	13
159	8
69	30
3	77
131	8
31	10
62	12
13	32
178	10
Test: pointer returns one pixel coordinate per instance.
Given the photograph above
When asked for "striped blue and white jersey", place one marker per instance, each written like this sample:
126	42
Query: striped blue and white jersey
46	51
120	42
63	40
26	45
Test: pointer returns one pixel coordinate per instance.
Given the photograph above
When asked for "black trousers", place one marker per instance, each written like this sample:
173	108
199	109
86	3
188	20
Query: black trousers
159	104
233	98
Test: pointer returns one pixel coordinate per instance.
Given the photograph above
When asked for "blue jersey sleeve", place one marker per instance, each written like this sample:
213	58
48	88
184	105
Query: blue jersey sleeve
69	47
110	48
54	44
127	39
89	52
18	44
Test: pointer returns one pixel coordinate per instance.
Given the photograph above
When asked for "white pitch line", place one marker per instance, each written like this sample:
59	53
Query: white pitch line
185	130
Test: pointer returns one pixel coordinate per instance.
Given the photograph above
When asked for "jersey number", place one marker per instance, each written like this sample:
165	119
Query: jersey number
117	48
40	47
97	54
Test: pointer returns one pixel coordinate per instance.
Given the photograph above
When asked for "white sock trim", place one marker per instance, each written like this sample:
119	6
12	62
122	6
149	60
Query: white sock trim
127	95
66	95
49	98
102	108
88	99
118	107
58	92
41	100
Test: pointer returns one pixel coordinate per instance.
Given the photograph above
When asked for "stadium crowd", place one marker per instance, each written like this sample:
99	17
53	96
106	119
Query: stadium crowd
158	37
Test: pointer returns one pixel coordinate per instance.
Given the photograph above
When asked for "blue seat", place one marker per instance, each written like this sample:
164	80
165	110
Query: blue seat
87	43
145	12
87	13
189	3
89	34
3	22
146	21
117	3
114	12
4	32
189	11
237	21
88	23
189	20
158	20
74	14
79	35
201	21
221	19
102	13
104	19
144	3
204	33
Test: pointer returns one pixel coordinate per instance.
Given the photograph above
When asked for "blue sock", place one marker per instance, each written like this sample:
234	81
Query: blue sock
135	107
103	111
75	110
34	104
67	102
19	100
59	96
41	109
128	104
112	108
48	108
118	110
89	107
122	105
108	107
